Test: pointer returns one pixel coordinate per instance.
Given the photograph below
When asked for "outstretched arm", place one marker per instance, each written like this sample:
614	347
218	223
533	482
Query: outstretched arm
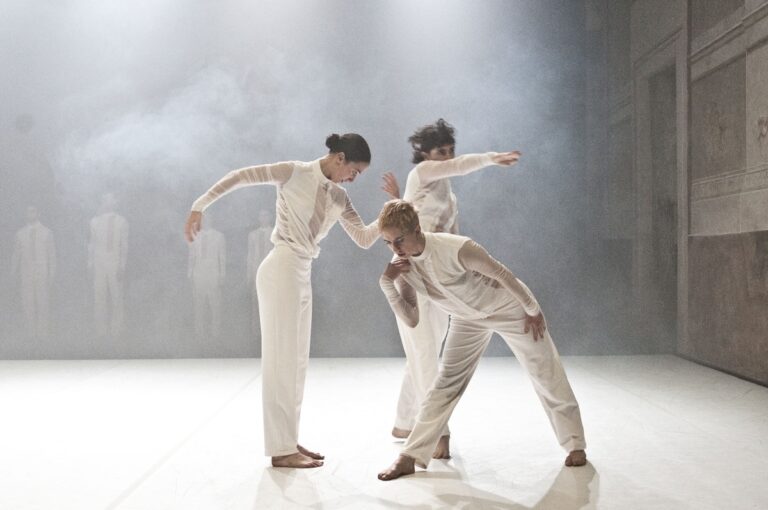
401	296
277	173
363	235
432	170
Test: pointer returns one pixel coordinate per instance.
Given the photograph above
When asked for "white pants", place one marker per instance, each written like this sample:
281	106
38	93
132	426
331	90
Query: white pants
207	297
35	302
255	327
422	352
465	344
107	286
285	310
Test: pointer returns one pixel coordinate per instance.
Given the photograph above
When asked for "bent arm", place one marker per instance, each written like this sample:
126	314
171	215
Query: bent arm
430	171
277	173
363	235
402	299
474	258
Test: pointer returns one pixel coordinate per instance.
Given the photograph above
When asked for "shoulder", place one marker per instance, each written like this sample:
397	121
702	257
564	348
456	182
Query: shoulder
450	239
298	166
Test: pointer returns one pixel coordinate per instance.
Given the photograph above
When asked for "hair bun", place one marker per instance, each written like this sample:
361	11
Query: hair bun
332	142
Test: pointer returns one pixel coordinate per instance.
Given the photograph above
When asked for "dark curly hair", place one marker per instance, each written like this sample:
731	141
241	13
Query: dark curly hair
428	137
354	146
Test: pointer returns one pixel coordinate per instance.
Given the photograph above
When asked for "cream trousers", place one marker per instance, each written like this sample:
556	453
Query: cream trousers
465	344
285	311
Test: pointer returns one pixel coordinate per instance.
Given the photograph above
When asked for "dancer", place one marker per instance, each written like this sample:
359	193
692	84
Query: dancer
428	187
34	264
482	296
107	257
207	269
309	202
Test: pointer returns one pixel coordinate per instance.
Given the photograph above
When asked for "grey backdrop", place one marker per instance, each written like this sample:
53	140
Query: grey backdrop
155	100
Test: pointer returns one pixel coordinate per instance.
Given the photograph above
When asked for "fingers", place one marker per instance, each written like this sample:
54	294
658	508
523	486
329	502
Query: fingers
190	230
403	265
509	158
390	186
536	326
193	225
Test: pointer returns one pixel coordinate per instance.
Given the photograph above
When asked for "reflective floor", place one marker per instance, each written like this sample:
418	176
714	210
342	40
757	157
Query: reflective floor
663	433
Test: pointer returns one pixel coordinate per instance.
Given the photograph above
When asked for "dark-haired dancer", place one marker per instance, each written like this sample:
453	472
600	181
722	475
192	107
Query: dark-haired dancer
428	187
309	202
482	296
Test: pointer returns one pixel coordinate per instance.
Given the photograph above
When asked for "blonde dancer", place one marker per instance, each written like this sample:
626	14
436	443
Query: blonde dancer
428	187
482	296
309	203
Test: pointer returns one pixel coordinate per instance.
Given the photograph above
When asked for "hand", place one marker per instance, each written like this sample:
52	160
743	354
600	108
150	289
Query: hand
193	226
536	324
390	186
396	268
506	158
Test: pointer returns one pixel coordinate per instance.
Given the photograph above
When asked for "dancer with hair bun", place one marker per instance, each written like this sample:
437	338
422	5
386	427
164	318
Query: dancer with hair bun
309	202
428	187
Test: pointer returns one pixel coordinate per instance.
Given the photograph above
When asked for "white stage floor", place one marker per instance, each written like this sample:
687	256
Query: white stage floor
663	433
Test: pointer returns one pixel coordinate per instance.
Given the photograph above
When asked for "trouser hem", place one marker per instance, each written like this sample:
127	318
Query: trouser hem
282	452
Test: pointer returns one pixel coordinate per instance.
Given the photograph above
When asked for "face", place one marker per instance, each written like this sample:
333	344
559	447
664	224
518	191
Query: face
346	171
402	244
442	153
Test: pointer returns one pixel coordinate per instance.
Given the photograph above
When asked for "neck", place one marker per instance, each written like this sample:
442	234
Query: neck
325	166
421	242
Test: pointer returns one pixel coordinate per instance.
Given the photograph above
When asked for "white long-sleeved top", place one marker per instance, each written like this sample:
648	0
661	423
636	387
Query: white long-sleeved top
108	243
308	204
428	188
460	277
34	251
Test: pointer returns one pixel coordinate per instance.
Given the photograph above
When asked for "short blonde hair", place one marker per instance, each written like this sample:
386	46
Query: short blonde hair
399	214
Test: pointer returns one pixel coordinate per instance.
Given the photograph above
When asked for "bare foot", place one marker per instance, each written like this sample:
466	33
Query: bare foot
576	458
400	433
311	455
404	465
296	460
442	450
